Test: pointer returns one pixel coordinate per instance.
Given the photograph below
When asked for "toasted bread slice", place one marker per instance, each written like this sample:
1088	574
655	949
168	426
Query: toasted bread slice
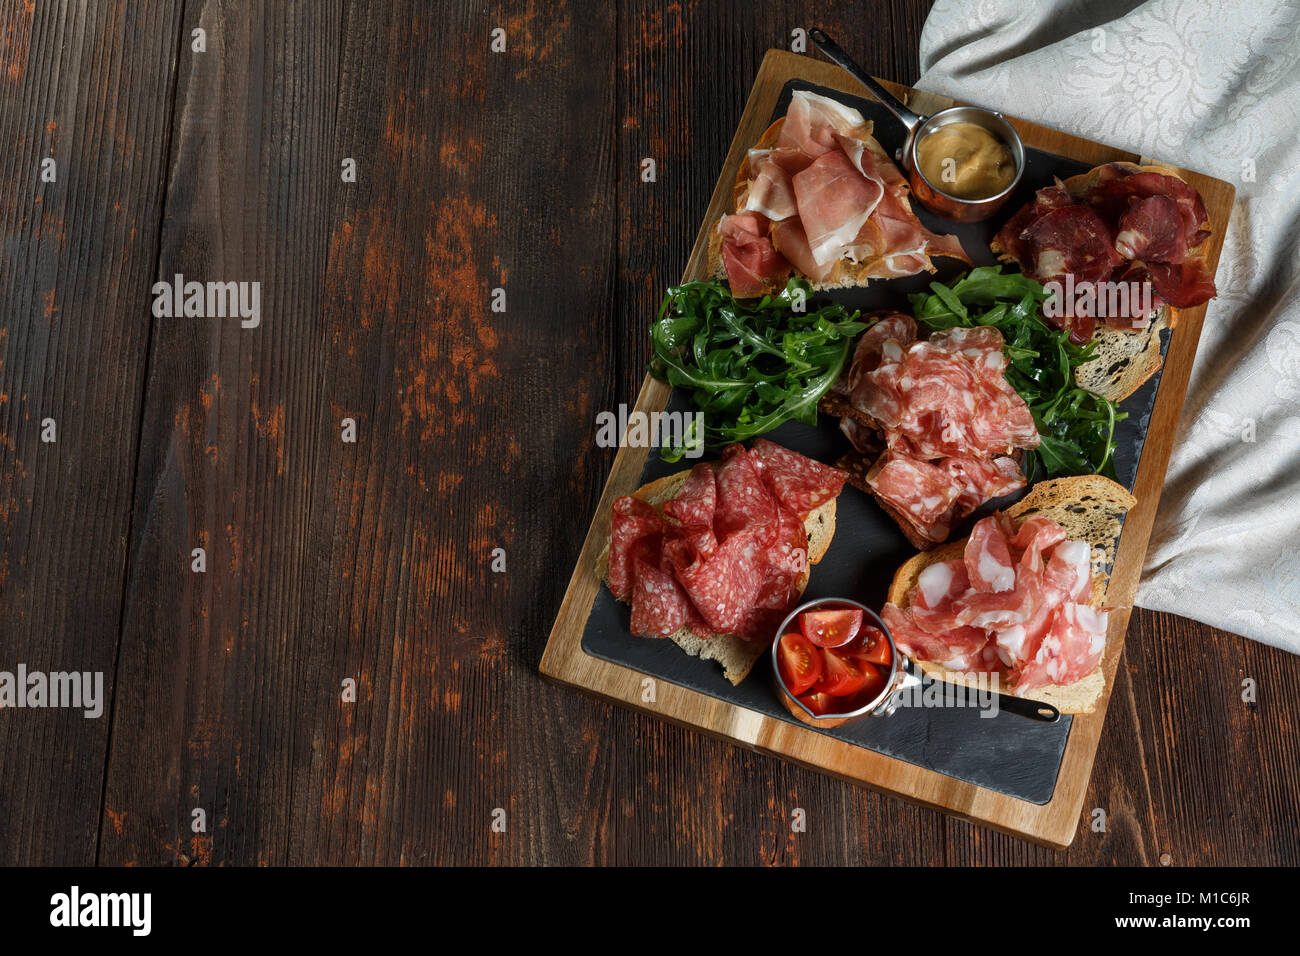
1090	508
736	655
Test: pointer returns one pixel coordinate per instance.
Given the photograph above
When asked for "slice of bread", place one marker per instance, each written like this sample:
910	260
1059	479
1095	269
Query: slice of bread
1125	359
736	655
1090	508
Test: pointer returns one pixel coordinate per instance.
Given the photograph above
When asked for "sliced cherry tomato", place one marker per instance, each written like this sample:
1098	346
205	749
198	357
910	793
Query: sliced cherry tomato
800	663
841	674
873	682
821	704
831	628
875	647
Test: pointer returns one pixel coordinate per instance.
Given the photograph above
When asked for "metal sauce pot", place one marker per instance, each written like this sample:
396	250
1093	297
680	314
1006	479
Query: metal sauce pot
928	194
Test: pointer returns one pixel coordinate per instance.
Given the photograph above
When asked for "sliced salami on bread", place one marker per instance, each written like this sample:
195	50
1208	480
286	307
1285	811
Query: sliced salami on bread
736	655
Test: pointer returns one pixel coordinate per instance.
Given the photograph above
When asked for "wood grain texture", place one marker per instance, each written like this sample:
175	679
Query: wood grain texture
477	170
90	87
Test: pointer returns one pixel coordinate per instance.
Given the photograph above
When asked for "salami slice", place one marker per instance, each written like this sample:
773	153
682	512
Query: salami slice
744	501
635	532
798	482
696	500
659	605
723	588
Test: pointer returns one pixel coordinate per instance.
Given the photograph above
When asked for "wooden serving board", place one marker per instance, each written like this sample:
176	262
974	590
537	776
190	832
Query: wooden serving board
1054	822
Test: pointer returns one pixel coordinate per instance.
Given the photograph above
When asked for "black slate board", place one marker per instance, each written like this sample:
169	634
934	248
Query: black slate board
1009	754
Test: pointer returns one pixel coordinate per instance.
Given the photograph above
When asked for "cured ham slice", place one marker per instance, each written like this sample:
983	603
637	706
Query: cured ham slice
771	194
830	202
834	201
1000	609
813	127
1130	225
751	260
790	241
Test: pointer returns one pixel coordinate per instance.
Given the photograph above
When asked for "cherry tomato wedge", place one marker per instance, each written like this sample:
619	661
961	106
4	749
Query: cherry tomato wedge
831	628
842	674
800	663
875	647
821	704
873	682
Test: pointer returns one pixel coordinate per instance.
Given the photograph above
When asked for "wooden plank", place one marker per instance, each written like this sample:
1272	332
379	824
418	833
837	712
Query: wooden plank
1053	823
89	86
212	664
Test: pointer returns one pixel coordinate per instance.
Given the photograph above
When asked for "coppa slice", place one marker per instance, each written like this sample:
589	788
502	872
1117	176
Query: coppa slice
1089	511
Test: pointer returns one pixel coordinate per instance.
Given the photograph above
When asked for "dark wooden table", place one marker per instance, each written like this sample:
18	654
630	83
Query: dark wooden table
371	560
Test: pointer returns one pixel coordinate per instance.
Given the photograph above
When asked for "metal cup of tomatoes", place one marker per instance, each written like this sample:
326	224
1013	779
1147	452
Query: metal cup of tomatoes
834	661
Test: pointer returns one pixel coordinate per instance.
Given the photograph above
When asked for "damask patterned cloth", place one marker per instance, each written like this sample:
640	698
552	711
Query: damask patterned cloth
1210	85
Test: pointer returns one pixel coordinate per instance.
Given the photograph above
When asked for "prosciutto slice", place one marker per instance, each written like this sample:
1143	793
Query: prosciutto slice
771	193
751	260
825	193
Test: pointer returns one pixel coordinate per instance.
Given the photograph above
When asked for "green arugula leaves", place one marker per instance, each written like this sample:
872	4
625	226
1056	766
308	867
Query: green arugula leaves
750	366
1077	426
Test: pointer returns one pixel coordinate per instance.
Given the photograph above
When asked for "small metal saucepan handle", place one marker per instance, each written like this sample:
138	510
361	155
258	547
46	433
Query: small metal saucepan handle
1021	707
840	58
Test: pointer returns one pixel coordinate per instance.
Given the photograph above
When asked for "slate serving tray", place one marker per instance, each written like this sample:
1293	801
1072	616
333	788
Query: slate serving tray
1008	754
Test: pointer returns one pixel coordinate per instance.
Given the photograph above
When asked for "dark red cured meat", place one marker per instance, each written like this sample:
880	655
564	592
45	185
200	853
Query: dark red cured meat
659	605
798	482
724	587
695	501
743	499
1111	197
1182	284
1072	239
635	532
1044	201
1152	229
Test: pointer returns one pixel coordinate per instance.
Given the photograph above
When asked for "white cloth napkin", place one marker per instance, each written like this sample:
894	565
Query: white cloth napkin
1211	85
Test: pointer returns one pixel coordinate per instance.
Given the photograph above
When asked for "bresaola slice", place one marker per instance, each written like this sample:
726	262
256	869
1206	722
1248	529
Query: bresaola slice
1129	226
